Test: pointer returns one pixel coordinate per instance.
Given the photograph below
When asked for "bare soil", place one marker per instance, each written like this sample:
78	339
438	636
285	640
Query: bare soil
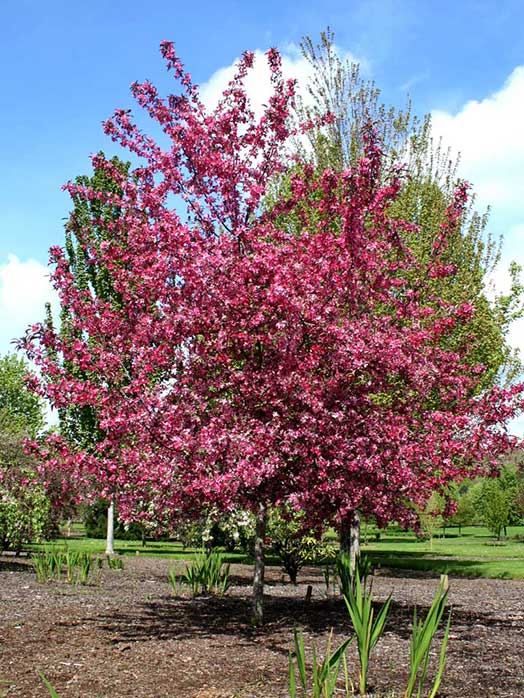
127	636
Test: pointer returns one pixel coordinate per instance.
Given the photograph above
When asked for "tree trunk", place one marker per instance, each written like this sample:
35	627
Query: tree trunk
350	538
258	576
110	537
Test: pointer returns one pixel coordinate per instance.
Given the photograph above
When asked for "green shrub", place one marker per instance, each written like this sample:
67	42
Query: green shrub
294	545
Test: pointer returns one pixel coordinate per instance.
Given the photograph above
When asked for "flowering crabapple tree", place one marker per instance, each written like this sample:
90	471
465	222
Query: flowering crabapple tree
250	365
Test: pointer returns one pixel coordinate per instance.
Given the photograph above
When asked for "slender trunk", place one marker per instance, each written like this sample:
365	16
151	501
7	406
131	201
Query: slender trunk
110	537
258	576
350	538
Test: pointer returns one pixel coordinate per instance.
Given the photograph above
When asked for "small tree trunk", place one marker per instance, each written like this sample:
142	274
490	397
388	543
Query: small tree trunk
110	536
350	538
258	576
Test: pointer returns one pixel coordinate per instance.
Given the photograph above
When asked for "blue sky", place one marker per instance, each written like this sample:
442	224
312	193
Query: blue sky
65	66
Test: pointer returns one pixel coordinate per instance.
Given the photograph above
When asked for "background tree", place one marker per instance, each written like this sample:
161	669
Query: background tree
21	411
30	500
90	220
247	366
496	506
466	512
337	87
431	518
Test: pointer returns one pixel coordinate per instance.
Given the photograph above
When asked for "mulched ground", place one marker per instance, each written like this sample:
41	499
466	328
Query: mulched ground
128	637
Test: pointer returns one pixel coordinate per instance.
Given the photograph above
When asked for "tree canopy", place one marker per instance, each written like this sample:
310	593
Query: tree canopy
246	364
21	411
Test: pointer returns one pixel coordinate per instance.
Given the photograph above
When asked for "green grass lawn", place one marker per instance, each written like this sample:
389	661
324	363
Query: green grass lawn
474	553
163	549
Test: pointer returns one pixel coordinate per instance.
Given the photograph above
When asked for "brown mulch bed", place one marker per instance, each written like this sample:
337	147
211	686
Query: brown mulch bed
127	636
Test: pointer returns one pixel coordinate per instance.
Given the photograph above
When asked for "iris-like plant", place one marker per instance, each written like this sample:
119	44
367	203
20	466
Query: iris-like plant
41	567
368	629
84	563
174	582
52	690
56	562
422	637
324	674
346	574
115	563
71	561
208	573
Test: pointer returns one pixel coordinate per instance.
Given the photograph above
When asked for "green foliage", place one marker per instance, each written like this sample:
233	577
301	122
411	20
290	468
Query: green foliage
346	575
421	640
368	630
25	508
324	674
52	691
175	582
294	545
367	627
21	411
207	574
430	518
337	87
50	564
26	513
115	563
80	424
95	524
512	482
466	512
496	506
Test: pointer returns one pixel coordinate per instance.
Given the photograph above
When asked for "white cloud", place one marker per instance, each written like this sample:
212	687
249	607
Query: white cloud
24	290
490	137
257	82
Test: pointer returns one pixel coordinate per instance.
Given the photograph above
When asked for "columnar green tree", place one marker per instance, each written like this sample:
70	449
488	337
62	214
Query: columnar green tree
79	423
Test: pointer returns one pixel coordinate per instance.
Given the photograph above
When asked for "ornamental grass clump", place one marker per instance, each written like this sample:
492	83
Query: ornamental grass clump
48	565
174	582
421	640
56	562
322	682
41	567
